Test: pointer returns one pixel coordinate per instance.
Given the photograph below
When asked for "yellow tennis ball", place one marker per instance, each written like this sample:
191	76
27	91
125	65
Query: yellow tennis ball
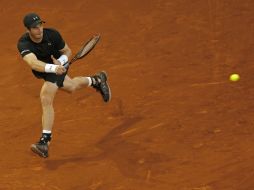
234	77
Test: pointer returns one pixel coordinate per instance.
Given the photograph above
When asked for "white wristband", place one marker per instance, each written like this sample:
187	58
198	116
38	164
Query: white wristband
50	68
63	59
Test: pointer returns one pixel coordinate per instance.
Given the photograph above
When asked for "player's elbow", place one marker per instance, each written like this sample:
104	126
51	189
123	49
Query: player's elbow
30	64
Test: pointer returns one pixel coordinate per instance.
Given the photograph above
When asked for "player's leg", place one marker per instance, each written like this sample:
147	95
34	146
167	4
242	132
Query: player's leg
73	84
98	81
47	95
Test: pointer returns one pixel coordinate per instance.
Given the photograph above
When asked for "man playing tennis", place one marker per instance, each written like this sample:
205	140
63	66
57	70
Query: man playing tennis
45	51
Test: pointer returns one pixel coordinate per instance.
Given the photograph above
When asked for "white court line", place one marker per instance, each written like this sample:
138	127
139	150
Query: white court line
207	83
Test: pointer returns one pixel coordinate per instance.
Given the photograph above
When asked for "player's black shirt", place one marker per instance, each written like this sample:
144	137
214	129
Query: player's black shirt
51	43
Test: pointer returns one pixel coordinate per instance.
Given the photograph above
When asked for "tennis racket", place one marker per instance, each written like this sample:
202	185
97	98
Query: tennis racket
85	50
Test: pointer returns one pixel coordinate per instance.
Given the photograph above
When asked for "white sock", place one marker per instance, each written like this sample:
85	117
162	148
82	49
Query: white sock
89	81
46	131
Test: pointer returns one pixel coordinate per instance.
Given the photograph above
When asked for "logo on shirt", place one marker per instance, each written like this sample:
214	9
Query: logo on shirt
49	44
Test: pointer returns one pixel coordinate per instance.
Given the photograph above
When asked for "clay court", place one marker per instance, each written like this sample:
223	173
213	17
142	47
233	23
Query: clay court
175	121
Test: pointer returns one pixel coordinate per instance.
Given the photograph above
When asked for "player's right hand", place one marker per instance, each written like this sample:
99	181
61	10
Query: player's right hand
60	70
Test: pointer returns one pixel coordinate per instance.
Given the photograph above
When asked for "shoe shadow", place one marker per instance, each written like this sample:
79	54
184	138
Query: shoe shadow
55	164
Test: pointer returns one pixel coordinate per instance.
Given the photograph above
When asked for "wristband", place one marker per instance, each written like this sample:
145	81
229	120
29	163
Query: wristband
50	68
63	59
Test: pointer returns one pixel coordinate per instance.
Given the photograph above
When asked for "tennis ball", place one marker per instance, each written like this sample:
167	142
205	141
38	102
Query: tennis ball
234	77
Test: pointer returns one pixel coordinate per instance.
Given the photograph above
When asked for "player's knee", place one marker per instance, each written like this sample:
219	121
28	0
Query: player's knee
73	87
46	100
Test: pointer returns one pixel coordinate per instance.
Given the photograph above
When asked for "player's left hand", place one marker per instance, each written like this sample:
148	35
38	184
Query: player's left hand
55	61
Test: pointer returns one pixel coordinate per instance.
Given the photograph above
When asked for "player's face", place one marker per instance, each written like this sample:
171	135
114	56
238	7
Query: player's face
37	32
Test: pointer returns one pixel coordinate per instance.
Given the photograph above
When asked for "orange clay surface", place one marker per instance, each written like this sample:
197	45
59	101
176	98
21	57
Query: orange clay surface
175	121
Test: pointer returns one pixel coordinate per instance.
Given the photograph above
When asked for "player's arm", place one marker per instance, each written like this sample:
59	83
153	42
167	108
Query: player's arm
65	56
40	66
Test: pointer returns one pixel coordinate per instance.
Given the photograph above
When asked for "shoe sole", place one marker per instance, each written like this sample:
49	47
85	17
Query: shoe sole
105	76
37	151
